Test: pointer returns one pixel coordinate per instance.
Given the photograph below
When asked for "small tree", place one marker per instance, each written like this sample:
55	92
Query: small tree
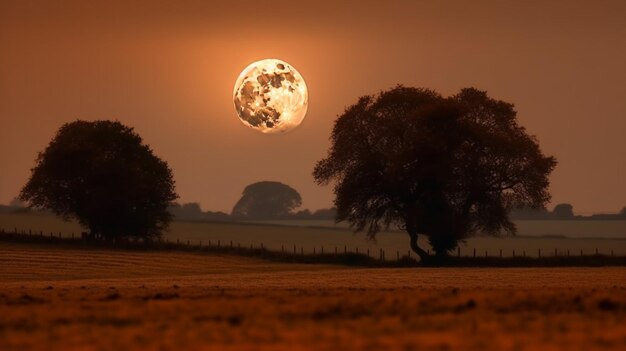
101	174
563	211
267	200
443	167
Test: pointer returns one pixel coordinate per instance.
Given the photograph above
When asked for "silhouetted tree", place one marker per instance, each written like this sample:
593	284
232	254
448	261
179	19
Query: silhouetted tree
443	167
101	174
267	200
563	211
187	211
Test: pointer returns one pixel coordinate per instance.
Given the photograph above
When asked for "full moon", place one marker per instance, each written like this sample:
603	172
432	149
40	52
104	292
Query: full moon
270	96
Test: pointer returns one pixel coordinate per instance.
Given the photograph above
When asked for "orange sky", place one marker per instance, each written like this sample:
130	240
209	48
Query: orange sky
168	69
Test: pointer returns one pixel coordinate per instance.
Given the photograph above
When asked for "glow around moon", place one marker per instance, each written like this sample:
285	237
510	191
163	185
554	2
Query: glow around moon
270	96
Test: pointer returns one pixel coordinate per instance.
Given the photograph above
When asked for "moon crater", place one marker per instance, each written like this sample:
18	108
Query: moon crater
270	96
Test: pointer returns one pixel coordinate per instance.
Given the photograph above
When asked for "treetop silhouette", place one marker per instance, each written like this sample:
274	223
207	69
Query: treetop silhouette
267	200
445	168
103	175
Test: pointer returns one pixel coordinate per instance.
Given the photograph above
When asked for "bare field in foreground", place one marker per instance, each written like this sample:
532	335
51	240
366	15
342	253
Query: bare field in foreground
72	299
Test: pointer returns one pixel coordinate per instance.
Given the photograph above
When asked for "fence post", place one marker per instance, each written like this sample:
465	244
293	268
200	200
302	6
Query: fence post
513	253
313	250
398	255
539	253
368	252
345	249
500	252
322	250
485	253
59	235
219	243
568	253
458	252
200	244
408	254
555	252
282	248
524	253
302	251
294	249
188	243
611	253
209	244
381	254
335	250
474	252
581	252
357	249
596	251
231	244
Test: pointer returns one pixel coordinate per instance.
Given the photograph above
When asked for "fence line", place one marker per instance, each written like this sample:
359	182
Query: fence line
346	250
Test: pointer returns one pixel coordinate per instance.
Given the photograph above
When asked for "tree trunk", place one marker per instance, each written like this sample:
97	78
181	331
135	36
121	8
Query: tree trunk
418	250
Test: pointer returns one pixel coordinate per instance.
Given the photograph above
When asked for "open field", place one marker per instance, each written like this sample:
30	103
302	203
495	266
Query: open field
307	238
567	228
76	299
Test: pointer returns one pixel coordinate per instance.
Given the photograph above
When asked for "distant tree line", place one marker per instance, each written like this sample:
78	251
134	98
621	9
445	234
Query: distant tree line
15	206
562	212
192	211
259	201
265	200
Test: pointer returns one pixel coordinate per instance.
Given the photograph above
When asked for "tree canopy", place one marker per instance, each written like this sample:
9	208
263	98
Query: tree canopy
101	174
267	200
563	211
446	168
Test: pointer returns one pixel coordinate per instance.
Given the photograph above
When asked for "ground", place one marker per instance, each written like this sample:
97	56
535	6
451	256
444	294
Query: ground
77	299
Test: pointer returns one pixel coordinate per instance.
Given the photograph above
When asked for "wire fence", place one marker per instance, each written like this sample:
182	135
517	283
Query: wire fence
380	254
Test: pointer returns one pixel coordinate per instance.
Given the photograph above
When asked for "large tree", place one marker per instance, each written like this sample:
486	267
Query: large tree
102	174
446	168
267	200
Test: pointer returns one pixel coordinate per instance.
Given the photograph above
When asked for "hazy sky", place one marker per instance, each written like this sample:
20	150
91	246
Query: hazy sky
168	69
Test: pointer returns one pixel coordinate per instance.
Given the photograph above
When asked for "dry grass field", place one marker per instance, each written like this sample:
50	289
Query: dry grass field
97	299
